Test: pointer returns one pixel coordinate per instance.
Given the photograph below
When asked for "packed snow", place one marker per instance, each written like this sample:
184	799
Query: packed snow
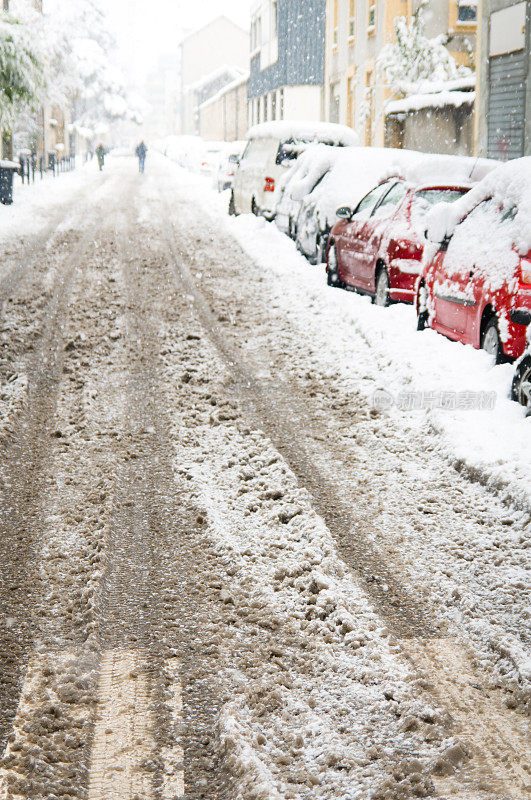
325	132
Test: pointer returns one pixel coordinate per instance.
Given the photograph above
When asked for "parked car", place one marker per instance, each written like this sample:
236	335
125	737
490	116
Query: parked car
212	154
377	247
356	170
271	149
227	165
298	182
475	286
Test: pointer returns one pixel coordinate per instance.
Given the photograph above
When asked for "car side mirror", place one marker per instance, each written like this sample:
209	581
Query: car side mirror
344	213
442	245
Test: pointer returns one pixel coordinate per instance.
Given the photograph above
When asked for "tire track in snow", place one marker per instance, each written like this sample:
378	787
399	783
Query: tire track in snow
278	413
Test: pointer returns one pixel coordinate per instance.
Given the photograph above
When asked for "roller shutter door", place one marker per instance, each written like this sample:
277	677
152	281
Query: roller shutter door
506	110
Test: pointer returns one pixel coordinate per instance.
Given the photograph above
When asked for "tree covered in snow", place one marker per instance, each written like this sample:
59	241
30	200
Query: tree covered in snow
76	49
21	70
413	62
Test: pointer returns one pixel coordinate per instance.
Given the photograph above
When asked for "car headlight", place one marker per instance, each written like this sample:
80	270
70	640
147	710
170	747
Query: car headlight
525	269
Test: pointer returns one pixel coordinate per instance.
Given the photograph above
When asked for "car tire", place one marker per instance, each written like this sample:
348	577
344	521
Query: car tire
422	312
232	206
332	274
313	259
521	386
491	341
381	295
322	241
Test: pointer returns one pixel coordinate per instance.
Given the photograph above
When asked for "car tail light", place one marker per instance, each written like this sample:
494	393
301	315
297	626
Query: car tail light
269	185
525	268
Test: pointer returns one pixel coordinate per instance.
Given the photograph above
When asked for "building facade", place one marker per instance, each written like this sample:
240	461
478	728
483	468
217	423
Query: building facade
356	93
503	125
206	53
224	116
287	60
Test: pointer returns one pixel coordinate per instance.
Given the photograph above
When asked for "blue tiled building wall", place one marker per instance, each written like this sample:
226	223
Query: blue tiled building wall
301	48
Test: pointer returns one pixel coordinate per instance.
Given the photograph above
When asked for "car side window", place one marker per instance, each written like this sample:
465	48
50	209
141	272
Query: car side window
287	151
366	206
388	204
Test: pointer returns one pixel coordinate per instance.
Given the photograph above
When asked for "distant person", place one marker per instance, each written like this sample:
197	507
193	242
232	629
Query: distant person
141	152
100	153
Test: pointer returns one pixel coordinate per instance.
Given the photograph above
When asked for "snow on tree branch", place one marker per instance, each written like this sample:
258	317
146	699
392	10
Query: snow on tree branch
21	71
414	63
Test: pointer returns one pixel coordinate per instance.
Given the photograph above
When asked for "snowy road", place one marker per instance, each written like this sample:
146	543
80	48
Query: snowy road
223	573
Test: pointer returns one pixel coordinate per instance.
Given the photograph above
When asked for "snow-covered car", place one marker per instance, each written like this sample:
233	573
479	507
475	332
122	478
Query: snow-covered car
223	175
355	171
271	148
212	154
475	285
187	151
377	248
298	182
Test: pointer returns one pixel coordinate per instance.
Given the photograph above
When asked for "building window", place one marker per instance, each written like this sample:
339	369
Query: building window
273	105
258	119
466	11
351	102
274	17
334	103
336	23
372	14
352	20
265	107
281	109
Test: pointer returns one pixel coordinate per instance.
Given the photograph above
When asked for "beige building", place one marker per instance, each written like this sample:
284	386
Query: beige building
224	117
220	46
357	30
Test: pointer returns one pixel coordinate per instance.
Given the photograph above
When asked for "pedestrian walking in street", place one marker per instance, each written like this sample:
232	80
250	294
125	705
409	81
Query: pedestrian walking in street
141	152
100	153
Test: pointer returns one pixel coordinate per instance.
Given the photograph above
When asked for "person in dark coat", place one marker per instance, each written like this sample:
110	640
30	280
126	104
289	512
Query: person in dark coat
100	153
141	152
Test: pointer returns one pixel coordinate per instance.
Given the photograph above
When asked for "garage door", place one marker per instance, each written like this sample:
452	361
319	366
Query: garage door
506	112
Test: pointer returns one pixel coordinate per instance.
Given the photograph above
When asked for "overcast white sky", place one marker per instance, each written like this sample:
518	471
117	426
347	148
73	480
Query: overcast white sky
147	29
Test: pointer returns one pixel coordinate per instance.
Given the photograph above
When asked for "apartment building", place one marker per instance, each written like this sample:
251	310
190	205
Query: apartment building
356	92
224	116
287	60
218	49
504	79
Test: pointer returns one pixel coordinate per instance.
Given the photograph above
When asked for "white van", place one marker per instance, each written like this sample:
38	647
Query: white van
271	148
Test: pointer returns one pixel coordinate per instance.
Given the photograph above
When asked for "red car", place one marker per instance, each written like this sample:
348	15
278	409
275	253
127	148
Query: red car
476	286
377	248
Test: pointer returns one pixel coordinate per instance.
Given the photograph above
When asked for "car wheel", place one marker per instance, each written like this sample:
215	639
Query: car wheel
332	272
521	388
491	341
422	311
322	241
232	205
381	297
314	257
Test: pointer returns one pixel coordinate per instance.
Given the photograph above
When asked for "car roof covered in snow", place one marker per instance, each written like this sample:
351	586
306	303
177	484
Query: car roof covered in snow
326	132
509	184
357	170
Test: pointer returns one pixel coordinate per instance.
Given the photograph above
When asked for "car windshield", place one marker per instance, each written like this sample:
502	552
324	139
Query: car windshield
426	199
